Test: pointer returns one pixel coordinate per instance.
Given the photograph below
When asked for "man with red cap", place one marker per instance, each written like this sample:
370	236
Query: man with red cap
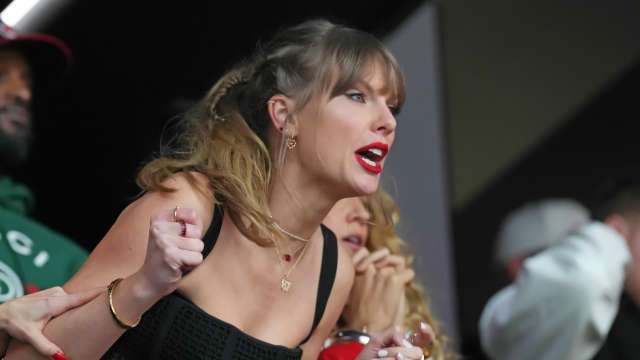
32	256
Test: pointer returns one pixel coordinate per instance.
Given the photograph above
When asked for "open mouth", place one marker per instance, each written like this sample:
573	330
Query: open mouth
354	242
370	156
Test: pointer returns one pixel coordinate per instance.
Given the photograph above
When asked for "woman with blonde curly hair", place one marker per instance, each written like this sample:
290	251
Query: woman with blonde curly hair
385	292
224	253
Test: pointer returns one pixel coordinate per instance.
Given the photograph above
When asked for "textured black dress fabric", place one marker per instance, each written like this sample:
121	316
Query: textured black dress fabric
176	328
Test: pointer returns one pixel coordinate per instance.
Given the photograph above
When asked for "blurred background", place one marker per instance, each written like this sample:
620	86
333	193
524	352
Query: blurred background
508	102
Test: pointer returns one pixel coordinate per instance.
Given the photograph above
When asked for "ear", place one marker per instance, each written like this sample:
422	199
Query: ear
280	110
619	224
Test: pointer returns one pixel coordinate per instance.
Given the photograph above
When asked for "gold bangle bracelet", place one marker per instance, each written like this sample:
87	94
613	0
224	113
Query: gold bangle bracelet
114	313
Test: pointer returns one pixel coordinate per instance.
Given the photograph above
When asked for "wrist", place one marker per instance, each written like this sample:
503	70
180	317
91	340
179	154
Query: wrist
142	290
133	296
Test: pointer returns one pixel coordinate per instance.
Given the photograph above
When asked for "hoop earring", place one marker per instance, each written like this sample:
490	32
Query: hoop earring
291	142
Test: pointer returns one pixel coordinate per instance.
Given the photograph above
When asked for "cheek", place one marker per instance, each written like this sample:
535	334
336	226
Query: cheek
341	230
336	145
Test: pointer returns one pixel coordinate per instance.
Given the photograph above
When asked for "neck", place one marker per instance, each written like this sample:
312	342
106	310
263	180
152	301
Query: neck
298	203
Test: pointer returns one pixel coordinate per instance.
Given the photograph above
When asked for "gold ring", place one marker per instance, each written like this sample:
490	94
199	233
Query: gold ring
175	214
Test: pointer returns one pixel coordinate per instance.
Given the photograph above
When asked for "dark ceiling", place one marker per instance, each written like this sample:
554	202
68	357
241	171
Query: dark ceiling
134	59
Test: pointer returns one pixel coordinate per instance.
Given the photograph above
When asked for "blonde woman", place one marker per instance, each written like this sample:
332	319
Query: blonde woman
385	292
304	122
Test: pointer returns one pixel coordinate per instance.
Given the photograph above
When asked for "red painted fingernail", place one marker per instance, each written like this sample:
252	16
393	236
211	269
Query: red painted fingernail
59	356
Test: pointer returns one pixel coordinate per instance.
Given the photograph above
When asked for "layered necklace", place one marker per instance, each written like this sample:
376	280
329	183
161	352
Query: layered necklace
284	258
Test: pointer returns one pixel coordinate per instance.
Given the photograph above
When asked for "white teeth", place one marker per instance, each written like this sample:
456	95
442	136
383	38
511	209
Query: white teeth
353	239
377	152
369	162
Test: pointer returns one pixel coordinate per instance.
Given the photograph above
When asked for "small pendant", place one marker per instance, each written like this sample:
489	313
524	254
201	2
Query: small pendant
286	257
285	284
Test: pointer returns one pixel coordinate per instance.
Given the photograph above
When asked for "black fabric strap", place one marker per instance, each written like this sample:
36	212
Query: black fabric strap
328	271
328	267
213	232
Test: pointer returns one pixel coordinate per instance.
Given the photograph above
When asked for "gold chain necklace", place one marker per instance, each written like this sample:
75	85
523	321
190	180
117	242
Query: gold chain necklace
285	283
282	230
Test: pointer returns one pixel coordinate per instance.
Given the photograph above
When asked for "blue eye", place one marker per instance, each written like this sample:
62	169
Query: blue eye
356	96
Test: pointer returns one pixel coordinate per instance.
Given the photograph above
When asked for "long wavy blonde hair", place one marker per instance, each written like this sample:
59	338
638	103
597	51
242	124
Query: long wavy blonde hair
385	216
225	135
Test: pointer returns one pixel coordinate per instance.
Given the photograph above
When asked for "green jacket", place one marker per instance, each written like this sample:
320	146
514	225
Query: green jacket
32	256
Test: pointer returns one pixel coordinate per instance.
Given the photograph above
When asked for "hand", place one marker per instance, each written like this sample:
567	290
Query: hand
390	345
377	299
421	334
25	317
380	258
174	247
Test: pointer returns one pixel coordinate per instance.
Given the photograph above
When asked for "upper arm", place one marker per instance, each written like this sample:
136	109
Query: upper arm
335	304
122	250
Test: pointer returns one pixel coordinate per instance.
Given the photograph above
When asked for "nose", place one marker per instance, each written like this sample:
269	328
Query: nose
386	122
359	214
18	88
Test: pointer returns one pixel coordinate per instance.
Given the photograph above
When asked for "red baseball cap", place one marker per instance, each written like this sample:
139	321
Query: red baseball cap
48	56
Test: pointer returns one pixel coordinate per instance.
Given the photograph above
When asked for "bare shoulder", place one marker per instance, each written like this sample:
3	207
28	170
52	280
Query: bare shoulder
122	250
190	189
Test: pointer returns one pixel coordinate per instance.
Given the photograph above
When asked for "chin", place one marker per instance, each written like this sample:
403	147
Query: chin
366	187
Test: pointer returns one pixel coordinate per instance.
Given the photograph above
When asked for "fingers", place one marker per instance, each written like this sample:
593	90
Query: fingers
177	228
405	276
389	337
166	215
360	255
423	336
40	342
168	236
192	231
374	257
400	352
52	291
60	303
396	261
190	259
190	242
186	215
179	215
178	259
389	276
194	245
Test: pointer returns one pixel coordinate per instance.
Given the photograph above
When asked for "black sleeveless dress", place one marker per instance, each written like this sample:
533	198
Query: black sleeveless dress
176	328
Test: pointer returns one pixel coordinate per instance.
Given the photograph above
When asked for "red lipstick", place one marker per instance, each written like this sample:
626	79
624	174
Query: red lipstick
370	156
